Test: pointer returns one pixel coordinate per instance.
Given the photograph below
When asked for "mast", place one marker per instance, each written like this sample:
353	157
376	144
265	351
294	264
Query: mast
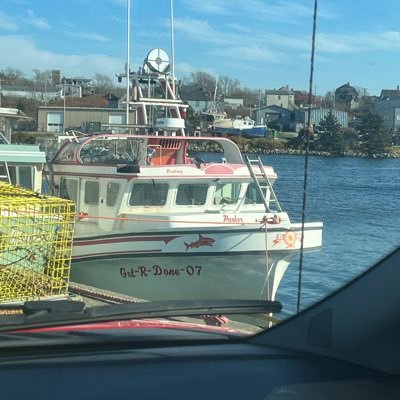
172	47
128	68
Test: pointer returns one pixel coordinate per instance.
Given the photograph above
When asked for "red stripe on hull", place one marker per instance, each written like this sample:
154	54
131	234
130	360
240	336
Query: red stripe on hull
93	242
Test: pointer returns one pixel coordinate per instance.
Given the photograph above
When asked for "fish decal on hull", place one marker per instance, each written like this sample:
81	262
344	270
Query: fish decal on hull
202	241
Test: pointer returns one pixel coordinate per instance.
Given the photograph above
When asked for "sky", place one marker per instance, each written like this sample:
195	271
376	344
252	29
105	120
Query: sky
265	44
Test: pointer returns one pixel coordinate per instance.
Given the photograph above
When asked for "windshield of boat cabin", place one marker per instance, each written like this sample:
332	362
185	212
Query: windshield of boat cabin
314	199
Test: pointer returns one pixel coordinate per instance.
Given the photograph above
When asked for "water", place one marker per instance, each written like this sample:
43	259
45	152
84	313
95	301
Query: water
358	201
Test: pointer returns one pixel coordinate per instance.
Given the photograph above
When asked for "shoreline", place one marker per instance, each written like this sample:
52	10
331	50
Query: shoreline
259	151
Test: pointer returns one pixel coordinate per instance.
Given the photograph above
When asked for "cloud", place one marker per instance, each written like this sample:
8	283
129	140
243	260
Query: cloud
22	53
38	22
249	54
202	30
6	23
358	42
184	69
278	10
214	7
89	35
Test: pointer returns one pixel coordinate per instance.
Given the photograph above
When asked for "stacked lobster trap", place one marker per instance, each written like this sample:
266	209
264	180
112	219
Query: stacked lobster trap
36	234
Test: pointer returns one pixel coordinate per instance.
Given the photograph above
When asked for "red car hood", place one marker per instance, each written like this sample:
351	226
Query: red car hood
135	324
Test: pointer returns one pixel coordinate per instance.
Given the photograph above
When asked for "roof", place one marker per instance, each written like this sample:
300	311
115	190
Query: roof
99	101
279	109
13	113
390	94
193	93
57	108
29	88
22	153
283	90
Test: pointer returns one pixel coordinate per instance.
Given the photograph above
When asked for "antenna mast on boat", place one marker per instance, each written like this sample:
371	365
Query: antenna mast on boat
215	93
128	68
172	46
303	210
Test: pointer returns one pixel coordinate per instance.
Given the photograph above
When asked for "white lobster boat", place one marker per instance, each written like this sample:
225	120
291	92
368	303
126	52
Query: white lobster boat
157	224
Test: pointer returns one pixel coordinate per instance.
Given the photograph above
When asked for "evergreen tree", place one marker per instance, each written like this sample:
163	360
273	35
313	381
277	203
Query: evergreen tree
374	135
330	135
192	121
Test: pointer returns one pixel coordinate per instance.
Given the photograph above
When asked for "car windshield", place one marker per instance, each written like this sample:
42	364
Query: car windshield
213	164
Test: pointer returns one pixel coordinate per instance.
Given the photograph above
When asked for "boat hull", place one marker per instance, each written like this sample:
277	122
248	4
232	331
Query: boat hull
188	265
186	276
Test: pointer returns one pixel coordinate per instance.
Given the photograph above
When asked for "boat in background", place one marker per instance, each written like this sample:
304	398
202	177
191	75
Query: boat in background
21	164
238	126
157	224
209	118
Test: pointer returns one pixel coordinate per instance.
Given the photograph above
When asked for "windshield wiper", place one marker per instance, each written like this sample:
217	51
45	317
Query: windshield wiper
35	314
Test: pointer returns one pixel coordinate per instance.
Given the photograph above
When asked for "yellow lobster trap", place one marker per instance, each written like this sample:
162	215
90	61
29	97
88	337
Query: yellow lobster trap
36	234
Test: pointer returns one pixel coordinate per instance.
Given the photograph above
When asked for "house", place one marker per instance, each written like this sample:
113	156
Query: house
346	97
77	87
233	102
8	116
273	116
78	112
196	98
390	94
300	117
388	107
283	97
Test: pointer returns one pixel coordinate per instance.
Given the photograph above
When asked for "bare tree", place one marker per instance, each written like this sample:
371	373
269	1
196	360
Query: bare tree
205	80
102	83
227	85
41	81
12	76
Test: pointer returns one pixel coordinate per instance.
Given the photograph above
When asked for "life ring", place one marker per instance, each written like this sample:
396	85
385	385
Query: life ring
290	238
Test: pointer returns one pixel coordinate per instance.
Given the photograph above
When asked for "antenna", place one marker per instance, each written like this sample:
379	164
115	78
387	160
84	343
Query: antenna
303	209
172	46
215	90
128	56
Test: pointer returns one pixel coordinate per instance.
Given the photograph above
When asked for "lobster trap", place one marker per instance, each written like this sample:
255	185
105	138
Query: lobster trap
36	234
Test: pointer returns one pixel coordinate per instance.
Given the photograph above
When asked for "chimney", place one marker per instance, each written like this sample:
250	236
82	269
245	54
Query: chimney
397	87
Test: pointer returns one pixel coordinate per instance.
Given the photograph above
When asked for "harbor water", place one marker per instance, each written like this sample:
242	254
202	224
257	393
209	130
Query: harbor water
357	199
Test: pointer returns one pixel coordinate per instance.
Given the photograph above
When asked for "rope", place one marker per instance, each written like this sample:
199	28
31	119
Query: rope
303	210
267	261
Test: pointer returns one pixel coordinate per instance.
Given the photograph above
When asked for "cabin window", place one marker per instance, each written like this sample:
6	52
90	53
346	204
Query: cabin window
91	193
12	170
19	175
148	194
191	194
112	193
25	177
252	195
226	193
69	189
116	119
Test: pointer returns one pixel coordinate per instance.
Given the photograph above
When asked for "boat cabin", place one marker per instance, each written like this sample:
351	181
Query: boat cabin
111	177
22	165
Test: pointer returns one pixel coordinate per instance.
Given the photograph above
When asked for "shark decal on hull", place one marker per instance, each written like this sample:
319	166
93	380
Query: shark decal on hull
202	241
